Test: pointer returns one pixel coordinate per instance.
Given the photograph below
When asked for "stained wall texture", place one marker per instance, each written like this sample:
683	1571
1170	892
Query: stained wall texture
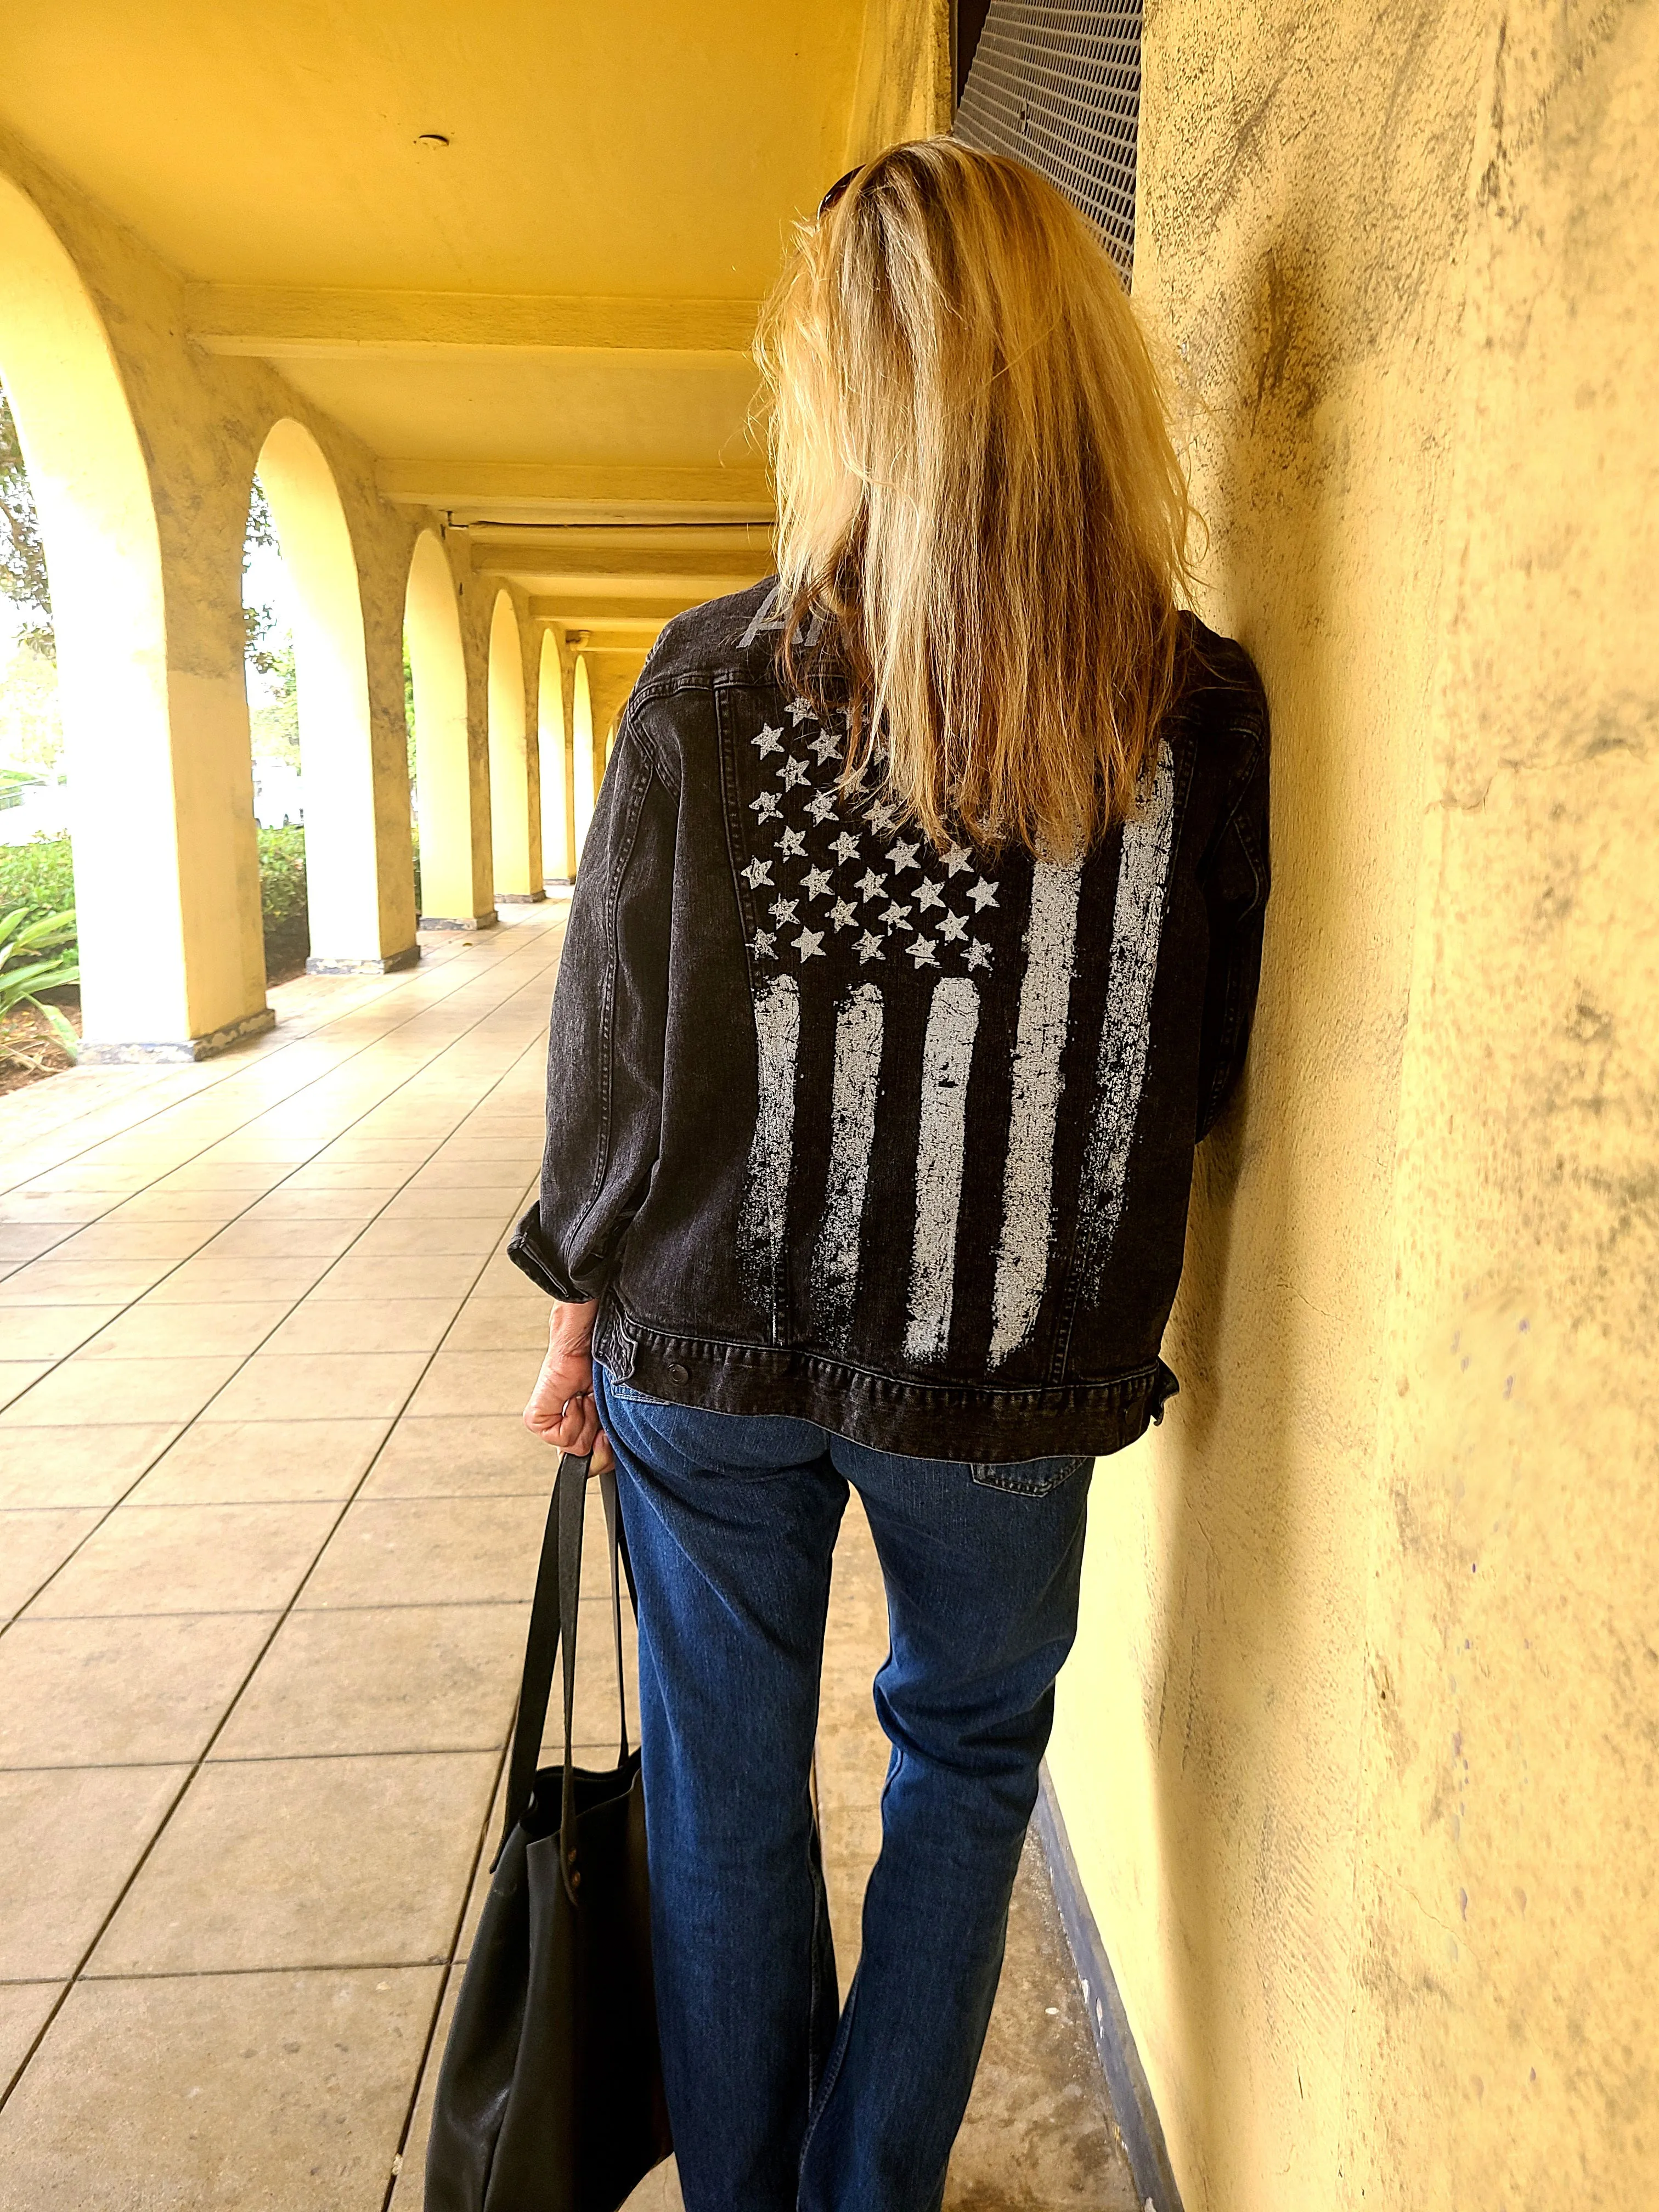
1357	1750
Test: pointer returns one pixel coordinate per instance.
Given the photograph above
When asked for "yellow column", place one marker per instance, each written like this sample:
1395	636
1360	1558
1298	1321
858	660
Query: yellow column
558	792
165	862
585	768
451	773
516	804
358	870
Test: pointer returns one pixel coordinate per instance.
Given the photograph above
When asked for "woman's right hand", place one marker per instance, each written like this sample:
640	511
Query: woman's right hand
561	1410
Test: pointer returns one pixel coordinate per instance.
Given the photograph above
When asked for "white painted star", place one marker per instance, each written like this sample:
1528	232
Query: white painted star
793	844
903	856
956	858
922	952
783	910
928	894
952	928
983	894
882	818
978	955
825	747
765	942
896	916
769	741
845	848
822	806
800	711
795	772
870	885
843	915
869	947
809	944
766	806
757	873
817	882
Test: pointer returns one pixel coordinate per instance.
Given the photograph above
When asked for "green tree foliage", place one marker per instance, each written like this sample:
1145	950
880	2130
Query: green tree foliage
22	556
261	653
276	724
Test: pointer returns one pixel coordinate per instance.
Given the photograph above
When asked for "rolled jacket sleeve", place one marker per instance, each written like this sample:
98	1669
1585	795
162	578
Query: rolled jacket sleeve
605	1037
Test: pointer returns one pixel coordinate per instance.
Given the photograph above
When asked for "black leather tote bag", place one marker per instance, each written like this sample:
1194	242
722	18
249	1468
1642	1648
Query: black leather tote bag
549	2097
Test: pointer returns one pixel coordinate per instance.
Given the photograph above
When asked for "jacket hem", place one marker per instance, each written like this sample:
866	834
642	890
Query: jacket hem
886	1413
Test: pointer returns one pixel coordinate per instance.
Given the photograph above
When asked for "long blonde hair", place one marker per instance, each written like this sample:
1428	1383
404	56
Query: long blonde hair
975	479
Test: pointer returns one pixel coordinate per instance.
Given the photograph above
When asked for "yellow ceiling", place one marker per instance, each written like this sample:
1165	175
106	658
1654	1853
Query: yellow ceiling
645	148
545	323
675	410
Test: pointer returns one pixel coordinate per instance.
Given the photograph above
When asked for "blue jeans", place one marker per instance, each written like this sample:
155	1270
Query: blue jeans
782	2098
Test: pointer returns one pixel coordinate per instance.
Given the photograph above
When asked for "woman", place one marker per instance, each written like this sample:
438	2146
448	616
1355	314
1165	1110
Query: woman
916	945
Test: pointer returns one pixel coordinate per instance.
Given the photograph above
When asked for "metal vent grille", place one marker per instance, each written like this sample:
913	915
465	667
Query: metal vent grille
1059	87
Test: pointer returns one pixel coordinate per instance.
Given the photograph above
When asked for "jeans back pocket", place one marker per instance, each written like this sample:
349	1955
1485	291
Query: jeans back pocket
1027	1478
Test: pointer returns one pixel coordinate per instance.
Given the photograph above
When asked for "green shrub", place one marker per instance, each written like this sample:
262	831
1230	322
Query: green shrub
282	894
37	877
36	953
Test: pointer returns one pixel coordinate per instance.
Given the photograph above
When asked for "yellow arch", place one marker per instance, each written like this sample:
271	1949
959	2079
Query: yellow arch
515	783
171	954
361	903
558	793
451	778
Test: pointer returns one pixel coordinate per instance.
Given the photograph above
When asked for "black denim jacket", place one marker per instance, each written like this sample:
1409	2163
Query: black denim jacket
895	1141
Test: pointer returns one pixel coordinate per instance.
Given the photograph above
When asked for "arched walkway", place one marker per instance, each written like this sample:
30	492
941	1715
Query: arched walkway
558	790
514	781
166	861
359	868
451	775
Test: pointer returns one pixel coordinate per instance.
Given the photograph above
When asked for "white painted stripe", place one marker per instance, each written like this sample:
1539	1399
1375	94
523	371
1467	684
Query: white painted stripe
1045	998
1137	931
947	1055
765	1198
852	1134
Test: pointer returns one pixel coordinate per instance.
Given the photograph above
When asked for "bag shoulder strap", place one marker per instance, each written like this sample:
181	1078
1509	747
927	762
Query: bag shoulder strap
540	1652
553	1615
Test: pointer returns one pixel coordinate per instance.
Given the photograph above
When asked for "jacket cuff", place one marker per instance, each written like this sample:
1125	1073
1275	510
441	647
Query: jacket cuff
529	1252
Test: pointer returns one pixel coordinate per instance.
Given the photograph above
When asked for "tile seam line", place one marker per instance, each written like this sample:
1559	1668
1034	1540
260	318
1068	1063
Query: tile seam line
302	1033
50	1367
260	1612
412	1076
264	1758
341	1054
230	1072
304	1024
418	2081
166	1820
229	1134
385	1497
185	1426
235	1974
471	975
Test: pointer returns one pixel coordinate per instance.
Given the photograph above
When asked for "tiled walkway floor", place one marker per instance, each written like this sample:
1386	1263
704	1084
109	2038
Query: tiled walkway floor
268	1523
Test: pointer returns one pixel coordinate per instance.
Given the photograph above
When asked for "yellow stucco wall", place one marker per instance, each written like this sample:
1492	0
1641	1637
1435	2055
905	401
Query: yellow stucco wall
1358	1749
